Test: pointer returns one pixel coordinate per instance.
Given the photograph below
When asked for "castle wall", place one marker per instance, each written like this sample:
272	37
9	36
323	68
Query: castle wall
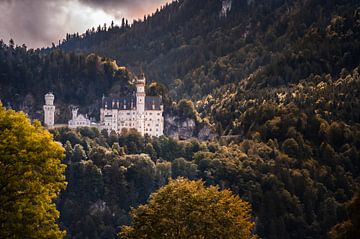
151	122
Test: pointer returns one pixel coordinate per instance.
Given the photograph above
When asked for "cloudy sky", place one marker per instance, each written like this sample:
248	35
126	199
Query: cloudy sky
38	23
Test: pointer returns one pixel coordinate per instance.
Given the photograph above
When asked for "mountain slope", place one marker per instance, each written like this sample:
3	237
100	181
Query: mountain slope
193	48
78	79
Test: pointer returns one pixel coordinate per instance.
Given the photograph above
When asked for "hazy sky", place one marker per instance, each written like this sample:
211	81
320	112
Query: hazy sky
38	23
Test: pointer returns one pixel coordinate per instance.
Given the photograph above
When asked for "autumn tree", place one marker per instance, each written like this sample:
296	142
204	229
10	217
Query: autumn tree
31	177
187	209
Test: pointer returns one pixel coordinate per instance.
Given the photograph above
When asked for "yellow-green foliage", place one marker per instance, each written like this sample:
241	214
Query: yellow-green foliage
31	177
187	209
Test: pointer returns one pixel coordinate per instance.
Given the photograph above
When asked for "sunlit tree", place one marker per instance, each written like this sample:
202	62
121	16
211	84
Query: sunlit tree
187	209
31	177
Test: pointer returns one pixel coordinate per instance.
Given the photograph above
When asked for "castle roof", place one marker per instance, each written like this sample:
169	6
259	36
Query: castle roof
153	102
129	103
121	103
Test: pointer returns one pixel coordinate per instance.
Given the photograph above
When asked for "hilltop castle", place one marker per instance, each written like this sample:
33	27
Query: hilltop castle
140	112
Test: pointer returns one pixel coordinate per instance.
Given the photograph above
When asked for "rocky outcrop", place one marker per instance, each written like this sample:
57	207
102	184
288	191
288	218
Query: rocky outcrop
206	133
179	129
98	207
184	129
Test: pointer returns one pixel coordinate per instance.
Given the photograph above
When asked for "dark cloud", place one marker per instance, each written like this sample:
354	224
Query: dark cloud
24	19
38	23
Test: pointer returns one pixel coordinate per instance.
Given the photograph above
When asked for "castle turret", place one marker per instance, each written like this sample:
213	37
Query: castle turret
49	110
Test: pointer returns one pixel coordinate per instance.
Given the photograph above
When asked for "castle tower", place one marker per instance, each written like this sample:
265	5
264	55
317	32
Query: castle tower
49	110
140	94
140	103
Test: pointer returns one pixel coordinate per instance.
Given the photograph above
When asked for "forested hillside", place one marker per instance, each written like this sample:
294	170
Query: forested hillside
26	75
296	160
279	79
195	47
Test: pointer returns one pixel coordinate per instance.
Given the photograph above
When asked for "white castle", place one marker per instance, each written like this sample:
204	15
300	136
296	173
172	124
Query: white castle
140	112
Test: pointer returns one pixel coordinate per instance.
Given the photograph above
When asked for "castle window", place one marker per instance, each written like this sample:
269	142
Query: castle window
158	113
148	124
150	113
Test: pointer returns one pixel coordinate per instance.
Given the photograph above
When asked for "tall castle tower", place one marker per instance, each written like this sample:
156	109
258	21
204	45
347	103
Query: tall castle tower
140	103
140	94
49	110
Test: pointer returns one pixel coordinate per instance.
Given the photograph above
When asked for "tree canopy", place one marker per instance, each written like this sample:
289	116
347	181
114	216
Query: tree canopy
187	209
31	178
349	229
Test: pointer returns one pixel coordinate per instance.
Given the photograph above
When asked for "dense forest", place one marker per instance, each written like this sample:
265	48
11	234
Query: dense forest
278	81
26	75
196	47
306	162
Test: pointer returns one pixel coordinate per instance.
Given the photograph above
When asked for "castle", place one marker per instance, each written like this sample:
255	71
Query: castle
140	112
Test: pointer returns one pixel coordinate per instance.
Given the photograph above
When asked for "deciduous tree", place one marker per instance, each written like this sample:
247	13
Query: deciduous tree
187	209
31	177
